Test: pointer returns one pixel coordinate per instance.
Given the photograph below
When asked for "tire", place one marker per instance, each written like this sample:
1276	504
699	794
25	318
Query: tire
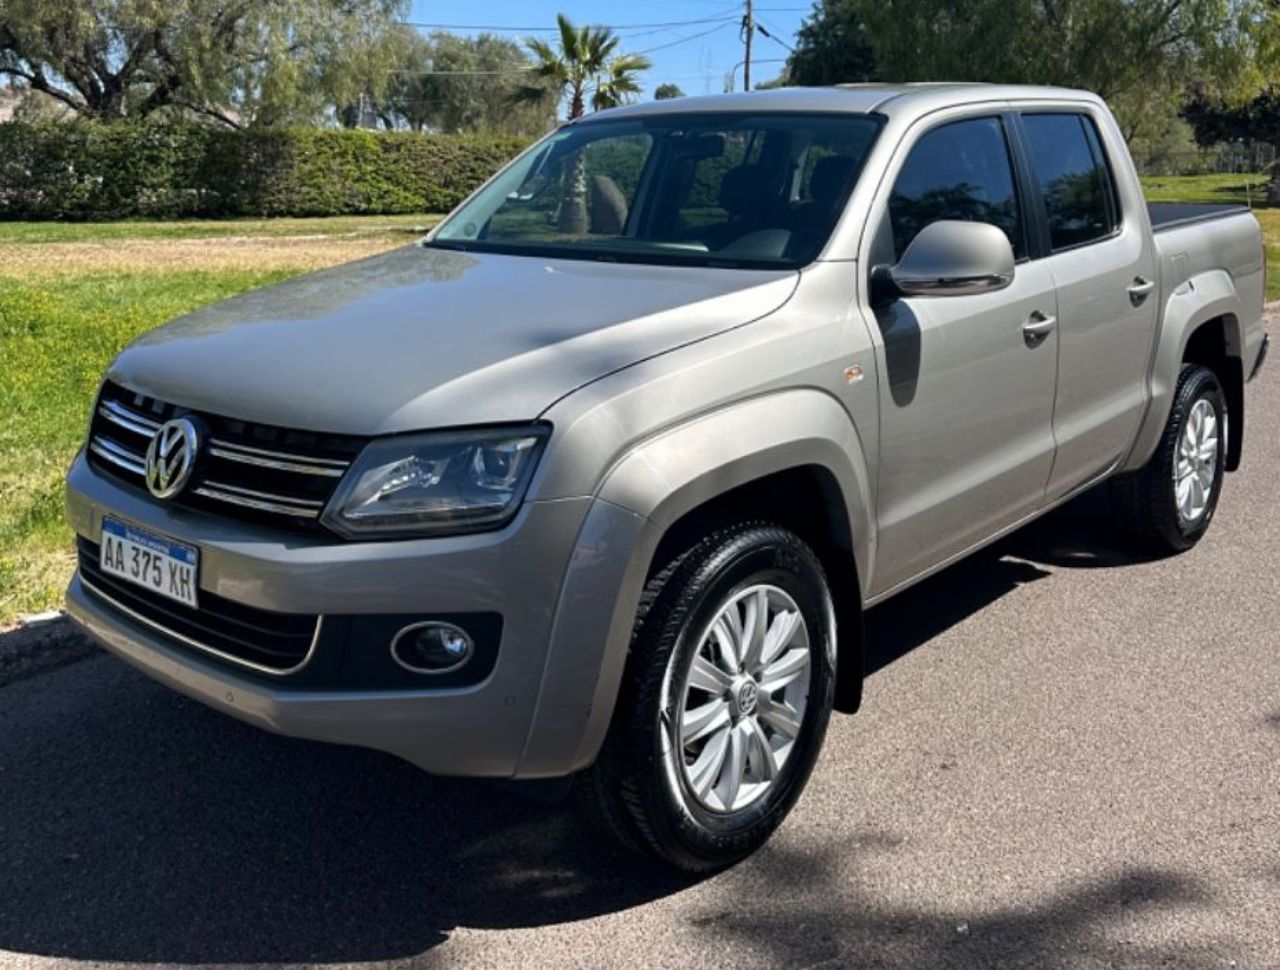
1164	516
659	789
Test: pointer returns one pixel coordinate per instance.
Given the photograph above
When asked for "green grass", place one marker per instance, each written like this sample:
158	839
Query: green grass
55	341
1251	189
1206	188
96	232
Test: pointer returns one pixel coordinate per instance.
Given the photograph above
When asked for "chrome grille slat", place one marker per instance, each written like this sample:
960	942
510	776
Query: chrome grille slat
276	460
214	491
197	644
108	450
238	474
127	419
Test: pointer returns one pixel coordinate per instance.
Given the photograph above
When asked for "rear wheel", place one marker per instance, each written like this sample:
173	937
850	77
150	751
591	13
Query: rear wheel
1169	503
729	690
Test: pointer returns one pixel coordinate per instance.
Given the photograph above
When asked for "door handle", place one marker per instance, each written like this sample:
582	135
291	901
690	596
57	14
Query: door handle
1037	328
1140	289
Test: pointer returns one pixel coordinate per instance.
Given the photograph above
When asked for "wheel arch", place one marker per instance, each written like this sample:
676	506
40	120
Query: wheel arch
1216	344
1201	324
798	443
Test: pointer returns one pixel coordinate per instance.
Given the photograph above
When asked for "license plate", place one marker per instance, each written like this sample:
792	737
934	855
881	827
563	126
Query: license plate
150	560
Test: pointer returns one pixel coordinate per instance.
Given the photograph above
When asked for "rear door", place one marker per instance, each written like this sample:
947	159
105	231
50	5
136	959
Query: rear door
1100	254
966	398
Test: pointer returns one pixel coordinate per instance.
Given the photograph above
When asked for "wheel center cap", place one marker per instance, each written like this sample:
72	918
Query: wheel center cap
745	697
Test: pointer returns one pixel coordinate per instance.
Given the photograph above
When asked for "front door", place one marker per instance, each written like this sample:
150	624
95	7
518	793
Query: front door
966	395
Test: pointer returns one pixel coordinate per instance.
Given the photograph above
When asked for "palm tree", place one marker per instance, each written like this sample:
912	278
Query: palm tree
617	83
584	61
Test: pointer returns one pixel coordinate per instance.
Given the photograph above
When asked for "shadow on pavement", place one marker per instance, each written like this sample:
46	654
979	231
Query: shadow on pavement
28	651
916	616
139	826
828	921
1082	534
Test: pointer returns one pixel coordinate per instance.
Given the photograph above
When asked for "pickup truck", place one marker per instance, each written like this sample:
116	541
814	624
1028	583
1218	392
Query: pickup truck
596	481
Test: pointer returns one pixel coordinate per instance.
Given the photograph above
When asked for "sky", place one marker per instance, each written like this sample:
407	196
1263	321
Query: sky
695	56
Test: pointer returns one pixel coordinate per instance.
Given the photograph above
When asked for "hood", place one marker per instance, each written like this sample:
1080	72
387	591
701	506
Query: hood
422	338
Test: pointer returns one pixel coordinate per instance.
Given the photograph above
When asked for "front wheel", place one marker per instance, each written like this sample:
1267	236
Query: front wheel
1169	503
729	690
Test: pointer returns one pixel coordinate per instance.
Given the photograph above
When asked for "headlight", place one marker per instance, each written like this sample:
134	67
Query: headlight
449	482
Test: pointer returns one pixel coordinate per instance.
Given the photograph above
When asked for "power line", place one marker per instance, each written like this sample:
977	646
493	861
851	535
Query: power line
528	29
760	27
683	40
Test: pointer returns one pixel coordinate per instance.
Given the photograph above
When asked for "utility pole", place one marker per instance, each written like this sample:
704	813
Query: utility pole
748	31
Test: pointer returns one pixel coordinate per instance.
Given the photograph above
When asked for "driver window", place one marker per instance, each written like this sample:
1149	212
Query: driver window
959	171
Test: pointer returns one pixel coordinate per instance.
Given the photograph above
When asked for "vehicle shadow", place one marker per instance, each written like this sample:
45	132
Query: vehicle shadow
933	606
1082	534
139	826
28	651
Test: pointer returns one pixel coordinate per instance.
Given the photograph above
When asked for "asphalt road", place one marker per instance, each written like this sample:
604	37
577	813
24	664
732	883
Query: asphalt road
1066	758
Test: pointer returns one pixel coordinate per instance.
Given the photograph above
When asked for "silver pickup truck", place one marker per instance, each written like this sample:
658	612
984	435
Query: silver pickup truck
597	480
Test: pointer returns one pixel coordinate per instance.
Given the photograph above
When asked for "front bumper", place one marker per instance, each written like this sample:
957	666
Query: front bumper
522	573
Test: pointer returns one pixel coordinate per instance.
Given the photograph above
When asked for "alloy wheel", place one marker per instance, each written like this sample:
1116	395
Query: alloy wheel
1195	467
743	699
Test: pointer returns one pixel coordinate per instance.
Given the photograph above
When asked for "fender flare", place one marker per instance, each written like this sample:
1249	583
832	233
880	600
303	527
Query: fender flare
648	489
1204	297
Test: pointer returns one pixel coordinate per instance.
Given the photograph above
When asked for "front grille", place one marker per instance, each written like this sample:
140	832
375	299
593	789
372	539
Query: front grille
244	470
275	643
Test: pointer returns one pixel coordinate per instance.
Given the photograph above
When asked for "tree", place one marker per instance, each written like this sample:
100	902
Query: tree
665	92
237	61
451	83
584	60
1129	51
1214	121
831	47
617	83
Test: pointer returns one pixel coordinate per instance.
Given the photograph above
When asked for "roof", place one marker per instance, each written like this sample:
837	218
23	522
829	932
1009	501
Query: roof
855	98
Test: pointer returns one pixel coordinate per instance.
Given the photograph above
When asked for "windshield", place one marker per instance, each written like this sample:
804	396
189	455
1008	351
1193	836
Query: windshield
725	190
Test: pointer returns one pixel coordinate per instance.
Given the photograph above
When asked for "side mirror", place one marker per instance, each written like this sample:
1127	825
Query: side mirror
950	257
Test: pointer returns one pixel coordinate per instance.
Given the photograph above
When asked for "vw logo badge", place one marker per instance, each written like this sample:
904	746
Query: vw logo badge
171	457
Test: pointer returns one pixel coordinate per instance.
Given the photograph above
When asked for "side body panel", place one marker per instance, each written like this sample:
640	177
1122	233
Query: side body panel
1208	271
966	409
1104	337
966	403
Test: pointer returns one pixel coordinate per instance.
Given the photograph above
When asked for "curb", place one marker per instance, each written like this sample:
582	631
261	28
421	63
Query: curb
40	644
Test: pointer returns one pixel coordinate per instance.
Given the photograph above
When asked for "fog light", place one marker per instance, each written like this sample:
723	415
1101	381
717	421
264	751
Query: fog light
432	648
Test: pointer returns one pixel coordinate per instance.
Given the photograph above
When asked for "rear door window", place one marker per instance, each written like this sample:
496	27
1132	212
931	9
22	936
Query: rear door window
1079	195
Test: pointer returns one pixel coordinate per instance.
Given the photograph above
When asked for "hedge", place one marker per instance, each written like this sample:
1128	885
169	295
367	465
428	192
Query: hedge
89	171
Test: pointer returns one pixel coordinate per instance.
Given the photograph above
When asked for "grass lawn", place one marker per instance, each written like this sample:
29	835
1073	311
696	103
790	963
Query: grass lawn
1250	189
73	294
97	232
1226	188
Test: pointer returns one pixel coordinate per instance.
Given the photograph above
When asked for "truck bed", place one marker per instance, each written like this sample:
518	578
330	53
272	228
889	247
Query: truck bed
1169	215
